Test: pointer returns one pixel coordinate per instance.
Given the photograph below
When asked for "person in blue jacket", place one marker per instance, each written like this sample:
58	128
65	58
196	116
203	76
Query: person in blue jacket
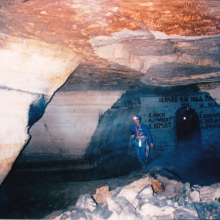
142	137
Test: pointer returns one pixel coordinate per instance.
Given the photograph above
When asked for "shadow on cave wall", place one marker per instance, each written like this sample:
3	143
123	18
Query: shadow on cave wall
108	148
106	156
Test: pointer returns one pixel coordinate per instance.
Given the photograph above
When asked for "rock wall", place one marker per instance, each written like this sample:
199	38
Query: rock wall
27	79
160	113
70	120
91	129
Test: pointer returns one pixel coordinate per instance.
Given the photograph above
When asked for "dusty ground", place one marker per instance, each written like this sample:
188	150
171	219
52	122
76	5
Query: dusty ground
19	201
25	198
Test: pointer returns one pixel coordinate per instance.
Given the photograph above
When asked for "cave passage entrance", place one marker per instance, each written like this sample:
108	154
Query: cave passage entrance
187	128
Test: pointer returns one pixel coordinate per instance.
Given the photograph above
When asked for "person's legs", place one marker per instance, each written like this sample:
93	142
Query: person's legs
147	150
141	154
144	156
138	152
137	149
144	164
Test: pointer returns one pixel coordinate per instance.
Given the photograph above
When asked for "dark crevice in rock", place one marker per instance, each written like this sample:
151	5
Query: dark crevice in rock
36	110
18	90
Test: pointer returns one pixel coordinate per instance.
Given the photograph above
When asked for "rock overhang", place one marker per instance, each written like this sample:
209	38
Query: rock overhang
76	24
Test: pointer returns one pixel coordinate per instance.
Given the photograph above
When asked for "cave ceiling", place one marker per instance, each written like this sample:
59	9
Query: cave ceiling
124	44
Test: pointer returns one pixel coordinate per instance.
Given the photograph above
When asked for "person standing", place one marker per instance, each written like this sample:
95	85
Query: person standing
142	137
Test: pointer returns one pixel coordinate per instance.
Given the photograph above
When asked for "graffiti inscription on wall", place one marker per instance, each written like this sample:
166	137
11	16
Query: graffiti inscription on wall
205	101
197	102
211	120
159	120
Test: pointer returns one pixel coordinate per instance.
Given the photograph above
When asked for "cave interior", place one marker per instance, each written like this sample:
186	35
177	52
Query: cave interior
73	75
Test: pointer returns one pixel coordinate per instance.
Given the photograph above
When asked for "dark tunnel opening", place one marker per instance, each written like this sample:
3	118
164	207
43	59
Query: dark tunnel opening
187	128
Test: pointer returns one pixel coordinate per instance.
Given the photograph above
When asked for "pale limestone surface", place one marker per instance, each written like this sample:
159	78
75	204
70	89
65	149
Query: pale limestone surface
215	93
34	66
24	76
14	107
70	119
163	62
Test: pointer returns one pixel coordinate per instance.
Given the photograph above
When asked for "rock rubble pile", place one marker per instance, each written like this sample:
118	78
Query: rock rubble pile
147	198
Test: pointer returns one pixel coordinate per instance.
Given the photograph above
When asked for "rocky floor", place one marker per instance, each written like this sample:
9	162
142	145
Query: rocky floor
20	199
147	198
